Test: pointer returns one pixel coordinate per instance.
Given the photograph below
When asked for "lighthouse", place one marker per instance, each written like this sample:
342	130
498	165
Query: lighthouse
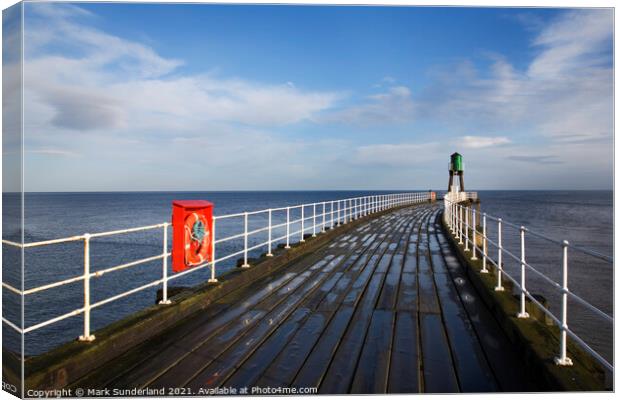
456	168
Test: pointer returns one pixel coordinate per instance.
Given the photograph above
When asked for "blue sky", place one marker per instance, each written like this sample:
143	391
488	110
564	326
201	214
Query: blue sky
214	97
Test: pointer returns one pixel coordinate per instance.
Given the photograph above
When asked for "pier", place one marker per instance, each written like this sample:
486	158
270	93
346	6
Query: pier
383	308
378	294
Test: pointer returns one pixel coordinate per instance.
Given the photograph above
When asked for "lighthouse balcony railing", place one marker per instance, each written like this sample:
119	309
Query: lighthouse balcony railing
314	219
472	230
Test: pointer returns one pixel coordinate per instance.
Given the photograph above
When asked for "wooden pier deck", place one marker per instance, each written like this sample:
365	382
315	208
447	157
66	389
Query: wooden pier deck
384	308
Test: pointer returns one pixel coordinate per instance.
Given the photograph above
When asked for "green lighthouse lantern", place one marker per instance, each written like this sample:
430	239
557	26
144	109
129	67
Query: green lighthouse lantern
456	162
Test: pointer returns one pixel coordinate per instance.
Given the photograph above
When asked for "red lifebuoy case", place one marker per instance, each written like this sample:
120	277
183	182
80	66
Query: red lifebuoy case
181	209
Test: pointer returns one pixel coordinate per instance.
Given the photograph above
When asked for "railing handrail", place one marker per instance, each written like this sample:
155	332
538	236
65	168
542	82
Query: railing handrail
332	213
461	228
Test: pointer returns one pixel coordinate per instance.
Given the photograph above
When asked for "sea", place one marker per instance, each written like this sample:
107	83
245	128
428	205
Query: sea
584	218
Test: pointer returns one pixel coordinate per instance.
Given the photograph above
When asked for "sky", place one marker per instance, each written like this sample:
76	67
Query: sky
225	97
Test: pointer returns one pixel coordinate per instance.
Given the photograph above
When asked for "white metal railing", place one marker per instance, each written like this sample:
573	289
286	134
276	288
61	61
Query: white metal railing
315	218
465	231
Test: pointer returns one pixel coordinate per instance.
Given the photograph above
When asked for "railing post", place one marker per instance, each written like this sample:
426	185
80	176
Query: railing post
269	253
454	218
331	215
338	218
245	241
522	313
499	287
213	279
563	359
323	225
288	228
164	267
351	208
352	213
460	224
314	220
467	229
302	224
484	244
474	231
87	337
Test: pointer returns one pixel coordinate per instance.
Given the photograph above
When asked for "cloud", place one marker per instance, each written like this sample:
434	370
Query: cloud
103	82
575	43
566	91
53	152
545	160
393	106
404	154
477	142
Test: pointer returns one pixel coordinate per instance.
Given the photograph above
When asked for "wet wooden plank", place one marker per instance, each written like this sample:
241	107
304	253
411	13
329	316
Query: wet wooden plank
243	348
315	367
150	369
389	292
317	297
384	262
407	293
372	369
203	355
286	289
428	302
251	369
286	366
411	264
405	363
424	265
246	343
438	371
470	363
500	355
342	367
333	299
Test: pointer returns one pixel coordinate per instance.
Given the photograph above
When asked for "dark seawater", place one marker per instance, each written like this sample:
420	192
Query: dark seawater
583	218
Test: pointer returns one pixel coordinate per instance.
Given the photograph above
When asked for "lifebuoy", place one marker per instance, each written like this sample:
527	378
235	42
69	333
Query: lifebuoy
197	239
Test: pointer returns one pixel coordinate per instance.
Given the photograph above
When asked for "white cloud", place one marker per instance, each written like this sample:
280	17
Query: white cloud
119	105
104	82
403	154
564	93
477	142
390	107
53	152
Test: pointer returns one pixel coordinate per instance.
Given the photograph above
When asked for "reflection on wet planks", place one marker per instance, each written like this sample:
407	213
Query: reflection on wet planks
381	309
